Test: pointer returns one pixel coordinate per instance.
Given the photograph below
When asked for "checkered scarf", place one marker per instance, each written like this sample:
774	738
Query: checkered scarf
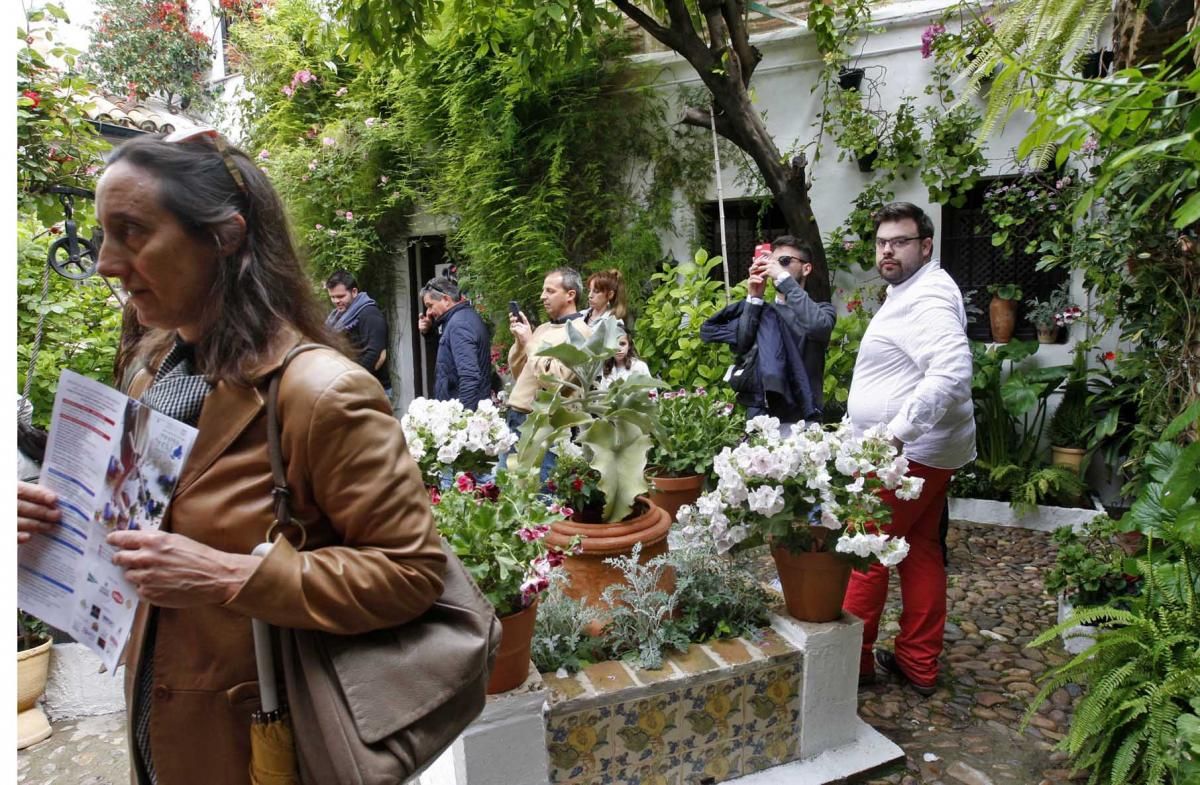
179	394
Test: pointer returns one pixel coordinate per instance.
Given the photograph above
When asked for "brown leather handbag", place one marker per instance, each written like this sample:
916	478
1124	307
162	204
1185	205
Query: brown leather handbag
377	708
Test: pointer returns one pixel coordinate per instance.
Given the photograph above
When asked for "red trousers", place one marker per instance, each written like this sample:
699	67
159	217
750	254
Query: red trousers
922	581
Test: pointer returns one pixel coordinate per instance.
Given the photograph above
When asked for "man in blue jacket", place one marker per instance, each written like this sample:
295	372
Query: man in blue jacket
464	360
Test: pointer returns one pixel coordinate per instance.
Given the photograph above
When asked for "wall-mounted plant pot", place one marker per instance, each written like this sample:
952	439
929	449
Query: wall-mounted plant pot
866	163
1096	64
1048	334
850	78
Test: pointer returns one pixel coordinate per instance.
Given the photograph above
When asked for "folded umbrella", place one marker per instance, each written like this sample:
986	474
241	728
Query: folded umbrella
272	749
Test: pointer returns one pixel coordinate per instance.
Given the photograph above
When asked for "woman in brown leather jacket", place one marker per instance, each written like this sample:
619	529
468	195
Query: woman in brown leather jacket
197	237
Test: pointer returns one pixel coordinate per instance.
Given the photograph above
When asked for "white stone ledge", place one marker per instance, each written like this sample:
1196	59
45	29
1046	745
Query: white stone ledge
1044	518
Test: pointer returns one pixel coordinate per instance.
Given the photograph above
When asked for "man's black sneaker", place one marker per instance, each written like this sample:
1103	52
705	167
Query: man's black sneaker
887	661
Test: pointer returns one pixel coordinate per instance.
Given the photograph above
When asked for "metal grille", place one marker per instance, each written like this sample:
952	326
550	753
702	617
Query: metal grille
968	255
746	225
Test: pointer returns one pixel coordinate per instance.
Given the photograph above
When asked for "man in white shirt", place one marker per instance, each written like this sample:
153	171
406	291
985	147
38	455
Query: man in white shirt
913	373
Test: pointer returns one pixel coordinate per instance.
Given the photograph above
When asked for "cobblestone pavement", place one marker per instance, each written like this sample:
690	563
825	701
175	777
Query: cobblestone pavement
967	733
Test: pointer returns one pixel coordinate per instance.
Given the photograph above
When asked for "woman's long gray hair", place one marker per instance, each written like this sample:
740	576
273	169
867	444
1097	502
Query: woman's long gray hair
260	287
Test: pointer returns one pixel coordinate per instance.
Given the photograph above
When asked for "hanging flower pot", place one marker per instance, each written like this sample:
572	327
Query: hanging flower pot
1003	316
589	575
814	584
1047	333
512	660
671	493
1096	64
866	163
850	78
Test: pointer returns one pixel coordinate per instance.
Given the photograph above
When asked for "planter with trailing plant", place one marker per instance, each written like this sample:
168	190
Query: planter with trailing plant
33	668
1002	311
783	492
498	529
693	427
1090	570
601	439
1072	422
1053	314
850	78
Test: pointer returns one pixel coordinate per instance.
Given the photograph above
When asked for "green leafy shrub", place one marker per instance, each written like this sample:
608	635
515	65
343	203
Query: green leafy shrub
684	295
1088	568
639	628
695	426
717	597
560	638
841	355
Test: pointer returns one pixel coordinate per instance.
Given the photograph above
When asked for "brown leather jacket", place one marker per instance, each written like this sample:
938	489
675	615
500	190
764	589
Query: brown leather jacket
380	561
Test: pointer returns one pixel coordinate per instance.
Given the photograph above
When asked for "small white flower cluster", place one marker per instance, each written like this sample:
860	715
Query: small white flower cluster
442	433
815	469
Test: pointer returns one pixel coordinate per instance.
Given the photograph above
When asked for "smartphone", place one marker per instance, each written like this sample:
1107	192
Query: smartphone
761	251
514	308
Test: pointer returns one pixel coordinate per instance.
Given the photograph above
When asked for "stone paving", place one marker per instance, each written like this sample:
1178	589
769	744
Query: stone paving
967	733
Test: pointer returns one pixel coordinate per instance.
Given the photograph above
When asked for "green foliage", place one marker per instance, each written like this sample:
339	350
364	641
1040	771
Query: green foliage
484	524
1072	422
1018	211
639	627
56	145
953	162
851	246
613	426
694	426
684	296
1044	313
1143	671
82	323
560	637
1089	566
718	596
146	47
847	336
31	631
1005	291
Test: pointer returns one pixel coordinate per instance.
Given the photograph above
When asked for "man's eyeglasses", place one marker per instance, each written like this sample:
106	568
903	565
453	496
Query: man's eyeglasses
787	260
897	243
186	135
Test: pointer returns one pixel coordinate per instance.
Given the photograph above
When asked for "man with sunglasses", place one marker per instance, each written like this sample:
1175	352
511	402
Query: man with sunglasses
913	375
781	345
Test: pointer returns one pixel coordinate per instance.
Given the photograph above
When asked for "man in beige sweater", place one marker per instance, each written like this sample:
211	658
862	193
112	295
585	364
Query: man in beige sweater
560	299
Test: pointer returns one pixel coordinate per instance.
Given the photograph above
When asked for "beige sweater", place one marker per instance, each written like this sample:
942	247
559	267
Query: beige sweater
528	370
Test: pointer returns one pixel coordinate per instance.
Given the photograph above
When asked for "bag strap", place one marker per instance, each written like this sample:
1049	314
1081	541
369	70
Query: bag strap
280	493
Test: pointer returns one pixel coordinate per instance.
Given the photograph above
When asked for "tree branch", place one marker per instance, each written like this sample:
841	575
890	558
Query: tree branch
667	37
701	118
739	36
719	39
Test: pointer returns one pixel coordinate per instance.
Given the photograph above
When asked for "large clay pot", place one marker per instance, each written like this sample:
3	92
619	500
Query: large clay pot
589	575
1071	457
671	493
33	666
1048	334
814	584
512	660
1003	315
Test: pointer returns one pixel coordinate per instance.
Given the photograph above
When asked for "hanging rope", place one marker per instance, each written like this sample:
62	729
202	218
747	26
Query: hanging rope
37	341
712	122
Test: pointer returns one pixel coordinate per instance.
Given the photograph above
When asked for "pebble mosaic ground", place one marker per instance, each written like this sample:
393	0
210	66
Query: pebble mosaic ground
967	733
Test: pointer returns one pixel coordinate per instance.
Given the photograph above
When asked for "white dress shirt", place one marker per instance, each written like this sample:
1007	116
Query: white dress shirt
914	368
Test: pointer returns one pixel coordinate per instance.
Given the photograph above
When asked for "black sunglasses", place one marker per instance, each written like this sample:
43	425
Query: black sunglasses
787	260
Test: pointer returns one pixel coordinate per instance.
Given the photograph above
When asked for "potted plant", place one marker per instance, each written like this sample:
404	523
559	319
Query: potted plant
1054	313
857	130
33	668
446	439
850	78
609	431
814	499
694	426
498	529
961	48
1072	422
1002	311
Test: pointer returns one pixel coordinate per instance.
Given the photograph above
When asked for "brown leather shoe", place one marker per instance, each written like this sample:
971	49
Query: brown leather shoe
887	661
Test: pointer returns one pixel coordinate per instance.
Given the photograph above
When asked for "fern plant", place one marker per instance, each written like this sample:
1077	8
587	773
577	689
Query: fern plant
1144	667
1059	485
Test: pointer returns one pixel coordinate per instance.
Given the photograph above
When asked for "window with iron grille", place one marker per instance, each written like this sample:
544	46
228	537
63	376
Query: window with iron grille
747	223
968	255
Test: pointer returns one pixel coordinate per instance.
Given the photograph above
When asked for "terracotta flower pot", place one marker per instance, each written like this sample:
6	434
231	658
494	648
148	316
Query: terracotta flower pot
814	584
1048	334
33	667
1067	456
512	661
671	493
1003	315
589	575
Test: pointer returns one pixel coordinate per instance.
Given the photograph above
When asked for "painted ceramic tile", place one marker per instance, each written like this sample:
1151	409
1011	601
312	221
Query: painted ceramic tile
711	713
579	745
663	771
773	698
715	763
647	729
770	749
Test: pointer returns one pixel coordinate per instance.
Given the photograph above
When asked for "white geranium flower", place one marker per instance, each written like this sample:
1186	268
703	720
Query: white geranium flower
857	485
893	551
910	488
767	426
766	501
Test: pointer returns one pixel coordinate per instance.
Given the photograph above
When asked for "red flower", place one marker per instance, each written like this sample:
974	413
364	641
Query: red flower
465	482
551	486
435	496
577	485
1110	356
489	491
853	305
33	96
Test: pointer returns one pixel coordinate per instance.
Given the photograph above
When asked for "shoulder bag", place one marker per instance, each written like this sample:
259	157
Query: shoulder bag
377	708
